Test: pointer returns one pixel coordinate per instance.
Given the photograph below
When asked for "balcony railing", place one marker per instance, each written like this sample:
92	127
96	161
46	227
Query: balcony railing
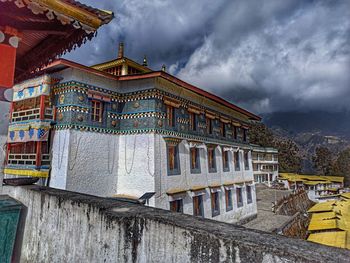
32	114
27	159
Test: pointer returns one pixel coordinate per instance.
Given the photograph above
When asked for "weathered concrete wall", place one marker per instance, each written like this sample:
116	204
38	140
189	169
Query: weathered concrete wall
63	226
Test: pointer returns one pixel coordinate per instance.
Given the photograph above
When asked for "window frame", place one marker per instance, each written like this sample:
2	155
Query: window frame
249	194
239	196
94	115
176	205
234	132
209	124
193	121
222	129
194	152
198	211
246	160
228	200
176	169
225	161
244	135
170	115
211	160
215	203
237	161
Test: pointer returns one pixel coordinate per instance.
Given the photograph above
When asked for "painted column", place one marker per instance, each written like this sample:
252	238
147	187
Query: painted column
39	143
8	46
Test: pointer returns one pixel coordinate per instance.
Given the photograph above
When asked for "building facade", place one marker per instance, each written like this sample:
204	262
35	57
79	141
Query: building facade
265	165
120	129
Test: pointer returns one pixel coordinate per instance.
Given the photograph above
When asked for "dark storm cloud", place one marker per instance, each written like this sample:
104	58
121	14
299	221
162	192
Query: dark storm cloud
264	55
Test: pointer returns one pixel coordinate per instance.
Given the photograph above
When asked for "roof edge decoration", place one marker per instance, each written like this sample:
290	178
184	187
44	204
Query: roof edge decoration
68	12
63	63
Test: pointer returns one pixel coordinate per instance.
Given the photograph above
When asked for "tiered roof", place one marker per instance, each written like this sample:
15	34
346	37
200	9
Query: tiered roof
311	179
330	223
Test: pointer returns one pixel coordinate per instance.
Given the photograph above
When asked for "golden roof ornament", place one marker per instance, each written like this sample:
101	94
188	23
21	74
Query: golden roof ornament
144	63
121	50
164	68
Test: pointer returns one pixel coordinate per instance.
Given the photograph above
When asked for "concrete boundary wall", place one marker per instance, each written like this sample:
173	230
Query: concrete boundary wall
63	226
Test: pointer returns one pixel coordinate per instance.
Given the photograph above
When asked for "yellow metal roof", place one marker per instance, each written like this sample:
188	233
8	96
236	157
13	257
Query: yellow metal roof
332	215
326	224
311	178
345	195
334	238
322	207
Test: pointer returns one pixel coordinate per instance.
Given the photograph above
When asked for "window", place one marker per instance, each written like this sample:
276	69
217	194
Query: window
173	160
239	197
209	123
223	129
234	132
96	110
246	160
237	164
225	162
176	206
170	112
195	160
211	160
249	194
198	206
193	121
245	135
215	204
228	199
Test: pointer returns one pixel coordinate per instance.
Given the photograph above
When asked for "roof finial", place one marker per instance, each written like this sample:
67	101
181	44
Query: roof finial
121	50
164	68
144	61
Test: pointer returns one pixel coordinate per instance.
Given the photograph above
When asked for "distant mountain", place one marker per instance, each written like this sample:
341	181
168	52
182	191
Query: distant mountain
311	130
324	123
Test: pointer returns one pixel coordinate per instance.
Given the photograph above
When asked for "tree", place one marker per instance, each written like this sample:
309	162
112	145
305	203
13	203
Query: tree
323	161
342	165
288	156
261	135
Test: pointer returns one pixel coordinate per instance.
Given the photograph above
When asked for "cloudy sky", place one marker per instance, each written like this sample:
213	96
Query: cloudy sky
266	56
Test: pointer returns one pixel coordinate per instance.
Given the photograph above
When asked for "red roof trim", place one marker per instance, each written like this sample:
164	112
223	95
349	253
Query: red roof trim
72	64
192	88
154	74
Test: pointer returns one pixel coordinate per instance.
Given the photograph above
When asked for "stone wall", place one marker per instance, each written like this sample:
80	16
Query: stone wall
64	226
293	203
296	227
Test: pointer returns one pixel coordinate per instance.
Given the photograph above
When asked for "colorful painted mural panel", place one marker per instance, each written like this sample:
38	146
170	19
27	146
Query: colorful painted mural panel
25	132
32	88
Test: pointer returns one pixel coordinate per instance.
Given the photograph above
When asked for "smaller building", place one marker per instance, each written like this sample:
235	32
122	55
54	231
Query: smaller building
320	188
265	164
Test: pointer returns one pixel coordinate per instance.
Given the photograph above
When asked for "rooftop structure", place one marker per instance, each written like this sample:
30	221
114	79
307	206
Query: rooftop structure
96	130
330	223
35	32
320	188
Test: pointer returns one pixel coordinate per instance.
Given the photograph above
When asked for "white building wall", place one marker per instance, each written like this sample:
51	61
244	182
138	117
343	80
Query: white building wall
186	180
60	159
136	173
87	164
